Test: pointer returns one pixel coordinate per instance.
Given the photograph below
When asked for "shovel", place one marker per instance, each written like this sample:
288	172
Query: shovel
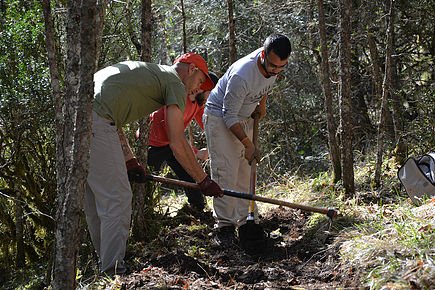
251	235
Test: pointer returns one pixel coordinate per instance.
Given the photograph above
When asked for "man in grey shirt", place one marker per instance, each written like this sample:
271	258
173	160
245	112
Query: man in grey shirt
228	128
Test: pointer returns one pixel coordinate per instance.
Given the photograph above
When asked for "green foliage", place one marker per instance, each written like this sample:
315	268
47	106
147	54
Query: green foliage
27	178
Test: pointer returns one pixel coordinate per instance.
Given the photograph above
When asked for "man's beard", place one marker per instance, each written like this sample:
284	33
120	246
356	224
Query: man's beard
268	74
200	99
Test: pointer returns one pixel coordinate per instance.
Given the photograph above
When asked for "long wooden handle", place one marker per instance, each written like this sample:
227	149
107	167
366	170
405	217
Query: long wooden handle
253	177
330	212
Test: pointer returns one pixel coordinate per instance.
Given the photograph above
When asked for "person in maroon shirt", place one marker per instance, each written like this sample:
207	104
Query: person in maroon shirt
160	152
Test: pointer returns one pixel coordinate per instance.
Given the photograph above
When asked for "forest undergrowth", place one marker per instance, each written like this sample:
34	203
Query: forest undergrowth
380	240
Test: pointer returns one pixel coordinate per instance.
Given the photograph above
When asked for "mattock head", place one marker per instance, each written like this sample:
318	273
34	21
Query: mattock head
332	213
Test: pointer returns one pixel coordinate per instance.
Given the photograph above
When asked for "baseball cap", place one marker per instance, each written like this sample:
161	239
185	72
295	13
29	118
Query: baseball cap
200	63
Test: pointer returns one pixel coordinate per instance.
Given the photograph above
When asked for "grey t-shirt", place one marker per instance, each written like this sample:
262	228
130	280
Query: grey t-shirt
239	90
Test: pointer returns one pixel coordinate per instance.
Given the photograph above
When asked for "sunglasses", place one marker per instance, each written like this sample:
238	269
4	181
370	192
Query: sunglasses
274	66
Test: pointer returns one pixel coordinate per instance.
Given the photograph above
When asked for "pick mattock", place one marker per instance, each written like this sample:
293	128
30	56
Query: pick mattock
329	212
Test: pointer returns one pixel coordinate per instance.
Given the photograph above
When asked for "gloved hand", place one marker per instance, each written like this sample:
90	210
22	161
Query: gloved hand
251	152
135	171
210	188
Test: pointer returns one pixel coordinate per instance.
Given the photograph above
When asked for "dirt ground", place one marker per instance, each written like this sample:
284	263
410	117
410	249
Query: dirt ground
186	257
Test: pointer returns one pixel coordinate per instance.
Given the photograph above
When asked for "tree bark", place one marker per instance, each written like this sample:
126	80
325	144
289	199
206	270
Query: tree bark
376	69
141	191
146	30
334	150
67	214
101	12
73	148
400	150
52	51
53	55
19	231
183	16
346	97
386	86
232	33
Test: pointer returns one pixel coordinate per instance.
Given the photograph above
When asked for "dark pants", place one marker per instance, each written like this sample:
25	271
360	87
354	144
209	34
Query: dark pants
158	155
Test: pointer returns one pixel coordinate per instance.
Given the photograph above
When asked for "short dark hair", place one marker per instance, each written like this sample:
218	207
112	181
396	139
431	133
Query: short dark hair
279	44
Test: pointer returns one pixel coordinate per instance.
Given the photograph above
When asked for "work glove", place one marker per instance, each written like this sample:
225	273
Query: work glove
251	152
210	188
135	171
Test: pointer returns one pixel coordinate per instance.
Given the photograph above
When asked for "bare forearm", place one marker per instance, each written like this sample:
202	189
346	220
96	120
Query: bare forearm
238	131
184	155
262	107
126	149
179	145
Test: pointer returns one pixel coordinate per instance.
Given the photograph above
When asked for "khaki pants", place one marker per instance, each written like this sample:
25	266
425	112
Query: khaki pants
108	196
229	169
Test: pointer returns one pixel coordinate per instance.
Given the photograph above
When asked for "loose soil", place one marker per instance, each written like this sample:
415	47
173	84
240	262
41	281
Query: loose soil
185	256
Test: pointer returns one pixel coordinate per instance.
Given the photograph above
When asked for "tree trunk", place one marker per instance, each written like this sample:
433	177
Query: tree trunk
232	32
53	55
386	85
146	30
183	15
376	69
74	140
131	28
140	191
101	12
400	150
334	150
346	97
19	230
67	214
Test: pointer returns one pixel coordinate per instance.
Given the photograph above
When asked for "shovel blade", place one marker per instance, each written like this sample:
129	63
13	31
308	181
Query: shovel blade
252	237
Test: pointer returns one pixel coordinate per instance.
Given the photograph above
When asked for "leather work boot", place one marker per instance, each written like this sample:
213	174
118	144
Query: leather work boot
225	236
196	200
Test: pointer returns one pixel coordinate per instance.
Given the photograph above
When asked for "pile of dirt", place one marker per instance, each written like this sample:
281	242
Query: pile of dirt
186	257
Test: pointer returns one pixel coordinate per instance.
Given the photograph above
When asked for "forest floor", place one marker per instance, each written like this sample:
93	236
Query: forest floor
185	256
379	241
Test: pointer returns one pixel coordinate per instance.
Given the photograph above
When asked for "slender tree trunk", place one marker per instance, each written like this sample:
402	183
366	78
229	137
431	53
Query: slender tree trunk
183	15
52	51
53	55
386	85
400	150
19	231
67	215
140	191
101	12
131	28
377	74
346	97
73	152
232	33
334	150
146	30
